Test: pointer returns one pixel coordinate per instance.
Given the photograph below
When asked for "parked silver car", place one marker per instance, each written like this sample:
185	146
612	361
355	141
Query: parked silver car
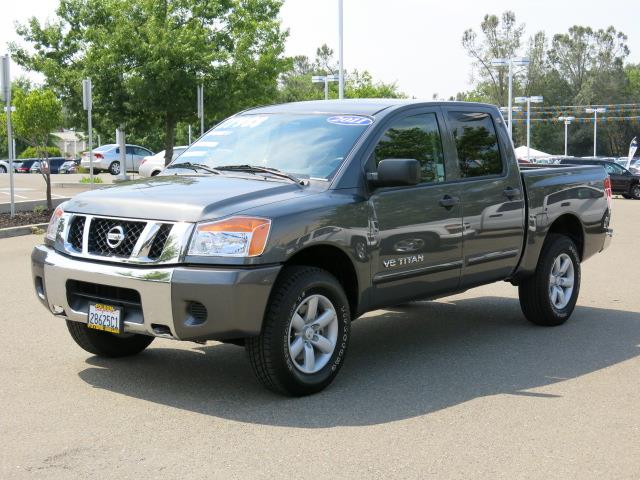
152	166
107	158
4	166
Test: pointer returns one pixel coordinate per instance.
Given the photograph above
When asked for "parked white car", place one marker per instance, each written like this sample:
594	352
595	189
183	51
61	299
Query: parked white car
4	166
154	164
107	158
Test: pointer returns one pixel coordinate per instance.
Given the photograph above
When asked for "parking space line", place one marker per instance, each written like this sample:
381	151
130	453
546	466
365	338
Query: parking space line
15	195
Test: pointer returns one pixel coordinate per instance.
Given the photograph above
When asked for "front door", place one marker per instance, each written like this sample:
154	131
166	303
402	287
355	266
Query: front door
417	229
619	177
492	196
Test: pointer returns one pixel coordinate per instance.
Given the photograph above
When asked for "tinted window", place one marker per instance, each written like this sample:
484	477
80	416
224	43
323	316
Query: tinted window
130	150
477	144
415	137
141	151
613	168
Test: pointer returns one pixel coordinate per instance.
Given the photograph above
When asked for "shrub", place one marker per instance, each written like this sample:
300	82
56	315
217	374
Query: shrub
39	152
88	180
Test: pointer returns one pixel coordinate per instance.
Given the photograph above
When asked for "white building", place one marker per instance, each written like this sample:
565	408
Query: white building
71	143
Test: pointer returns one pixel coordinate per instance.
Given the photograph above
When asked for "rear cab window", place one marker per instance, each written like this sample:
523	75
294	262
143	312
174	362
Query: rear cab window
476	142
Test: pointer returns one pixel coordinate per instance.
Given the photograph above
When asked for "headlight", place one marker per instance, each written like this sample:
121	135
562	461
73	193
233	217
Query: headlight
54	223
233	237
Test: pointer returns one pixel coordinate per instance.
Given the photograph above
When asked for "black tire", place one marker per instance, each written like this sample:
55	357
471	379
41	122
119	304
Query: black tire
534	291
269	353
635	191
3	169
114	168
155	172
106	344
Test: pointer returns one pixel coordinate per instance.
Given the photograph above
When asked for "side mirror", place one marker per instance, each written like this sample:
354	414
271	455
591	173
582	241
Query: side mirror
396	172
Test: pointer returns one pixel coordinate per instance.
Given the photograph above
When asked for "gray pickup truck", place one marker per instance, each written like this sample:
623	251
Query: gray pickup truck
283	224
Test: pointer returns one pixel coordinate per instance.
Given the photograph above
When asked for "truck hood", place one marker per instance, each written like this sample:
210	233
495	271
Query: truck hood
184	198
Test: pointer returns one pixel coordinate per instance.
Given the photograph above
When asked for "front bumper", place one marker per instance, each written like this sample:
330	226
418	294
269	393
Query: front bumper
185	303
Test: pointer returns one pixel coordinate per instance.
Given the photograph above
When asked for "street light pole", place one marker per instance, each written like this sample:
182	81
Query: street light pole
87	103
325	79
340	49
201	108
595	112
567	122
510	62
5	91
528	101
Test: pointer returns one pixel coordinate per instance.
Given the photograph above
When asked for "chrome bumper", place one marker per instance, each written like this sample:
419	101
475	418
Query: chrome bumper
166	295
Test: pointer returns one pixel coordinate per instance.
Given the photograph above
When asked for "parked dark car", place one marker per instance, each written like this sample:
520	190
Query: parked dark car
623	182
70	166
54	163
25	166
284	223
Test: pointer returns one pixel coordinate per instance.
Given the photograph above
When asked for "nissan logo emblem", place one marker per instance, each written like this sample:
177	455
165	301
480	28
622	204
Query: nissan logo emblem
115	236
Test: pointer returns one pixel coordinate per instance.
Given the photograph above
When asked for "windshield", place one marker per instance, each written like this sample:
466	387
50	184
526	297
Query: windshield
305	145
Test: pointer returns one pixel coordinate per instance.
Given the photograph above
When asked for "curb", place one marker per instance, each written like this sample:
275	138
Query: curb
21	230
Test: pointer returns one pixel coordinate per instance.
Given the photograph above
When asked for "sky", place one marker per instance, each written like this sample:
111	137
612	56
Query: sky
415	43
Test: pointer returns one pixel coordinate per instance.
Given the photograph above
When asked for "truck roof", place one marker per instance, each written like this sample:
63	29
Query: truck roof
358	106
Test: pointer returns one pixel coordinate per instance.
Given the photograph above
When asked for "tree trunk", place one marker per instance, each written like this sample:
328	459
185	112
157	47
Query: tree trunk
169	137
46	174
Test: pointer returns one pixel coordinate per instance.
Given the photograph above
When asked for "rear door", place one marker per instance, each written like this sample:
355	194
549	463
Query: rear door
418	229
492	195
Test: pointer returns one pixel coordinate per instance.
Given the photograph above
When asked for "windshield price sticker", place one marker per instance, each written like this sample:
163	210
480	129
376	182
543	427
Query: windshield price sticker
350	120
246	121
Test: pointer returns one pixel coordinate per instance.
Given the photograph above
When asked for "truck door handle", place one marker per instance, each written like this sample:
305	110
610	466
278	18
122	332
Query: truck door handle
448	201
511	192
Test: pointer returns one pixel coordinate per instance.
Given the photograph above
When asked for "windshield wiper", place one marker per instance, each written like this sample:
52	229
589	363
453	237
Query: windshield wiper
258	169
195	167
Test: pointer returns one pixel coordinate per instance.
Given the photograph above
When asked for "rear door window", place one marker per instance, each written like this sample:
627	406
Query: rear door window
476	143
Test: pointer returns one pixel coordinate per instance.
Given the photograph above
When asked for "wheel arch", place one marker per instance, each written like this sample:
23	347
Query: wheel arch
335	261
570	226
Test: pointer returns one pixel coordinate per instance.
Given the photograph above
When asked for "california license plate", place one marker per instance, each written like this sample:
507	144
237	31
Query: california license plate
107	318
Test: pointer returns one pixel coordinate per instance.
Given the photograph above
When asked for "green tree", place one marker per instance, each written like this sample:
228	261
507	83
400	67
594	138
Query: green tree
500	37
146	58
37	114
296	84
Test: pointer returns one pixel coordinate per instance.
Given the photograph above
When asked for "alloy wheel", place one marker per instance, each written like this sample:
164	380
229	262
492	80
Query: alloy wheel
313	332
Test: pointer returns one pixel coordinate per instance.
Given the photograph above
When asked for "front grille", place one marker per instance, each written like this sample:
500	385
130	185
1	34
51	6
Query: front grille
125	240
159	241
98	237
76	231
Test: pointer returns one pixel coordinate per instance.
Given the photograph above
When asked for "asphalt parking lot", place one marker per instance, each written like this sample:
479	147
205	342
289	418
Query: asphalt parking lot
31	186
462	387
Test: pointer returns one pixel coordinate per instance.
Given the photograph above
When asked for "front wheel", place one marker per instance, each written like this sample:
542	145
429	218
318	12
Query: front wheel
305	333
3	169
106	344
635	191
549	296
114	168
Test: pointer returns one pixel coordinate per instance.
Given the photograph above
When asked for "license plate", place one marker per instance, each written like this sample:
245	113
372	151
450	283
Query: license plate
107	318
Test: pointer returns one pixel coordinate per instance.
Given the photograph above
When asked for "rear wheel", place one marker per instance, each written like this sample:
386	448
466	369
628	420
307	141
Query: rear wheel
305	333
549	296
3	169
635	191
114	168
106	344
